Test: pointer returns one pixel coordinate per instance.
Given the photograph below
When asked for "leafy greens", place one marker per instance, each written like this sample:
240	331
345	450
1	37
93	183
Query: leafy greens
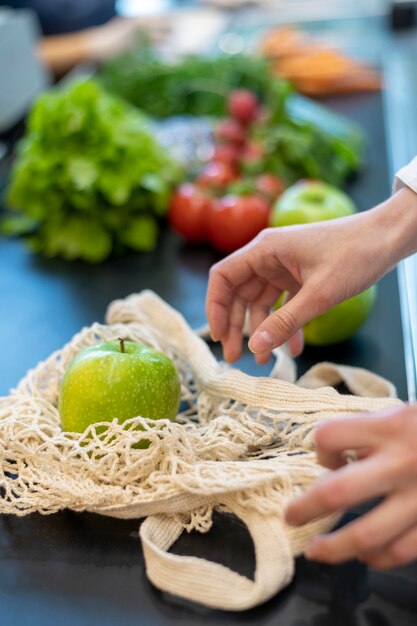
89	178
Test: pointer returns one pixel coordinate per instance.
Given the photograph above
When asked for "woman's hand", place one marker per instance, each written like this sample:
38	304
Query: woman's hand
386	446
319	265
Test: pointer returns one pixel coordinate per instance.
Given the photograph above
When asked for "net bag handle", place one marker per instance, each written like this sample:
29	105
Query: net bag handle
213	584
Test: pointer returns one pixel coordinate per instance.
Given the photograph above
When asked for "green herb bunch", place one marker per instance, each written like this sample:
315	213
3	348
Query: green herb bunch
302	139
89	179
194	85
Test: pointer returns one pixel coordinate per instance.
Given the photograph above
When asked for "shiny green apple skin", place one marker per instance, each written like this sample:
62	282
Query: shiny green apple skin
102	383
310	201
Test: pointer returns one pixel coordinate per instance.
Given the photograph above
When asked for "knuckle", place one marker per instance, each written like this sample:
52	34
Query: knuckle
214	269
323	299
267	238
218	272
267	234
363	540
284	322
218	266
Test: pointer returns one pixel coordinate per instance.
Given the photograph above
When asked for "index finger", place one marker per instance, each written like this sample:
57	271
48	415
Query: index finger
224	278
355	432
349	486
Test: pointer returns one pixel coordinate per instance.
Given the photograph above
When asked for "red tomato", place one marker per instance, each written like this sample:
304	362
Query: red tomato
216	175
234	220
270	186
226	153
244	106
187	212
230	131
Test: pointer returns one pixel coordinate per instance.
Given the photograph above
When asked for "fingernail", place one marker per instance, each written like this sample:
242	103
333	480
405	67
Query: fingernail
261	342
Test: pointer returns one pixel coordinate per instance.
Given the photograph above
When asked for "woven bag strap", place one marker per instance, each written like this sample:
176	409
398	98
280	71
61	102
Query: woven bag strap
210	583
359	381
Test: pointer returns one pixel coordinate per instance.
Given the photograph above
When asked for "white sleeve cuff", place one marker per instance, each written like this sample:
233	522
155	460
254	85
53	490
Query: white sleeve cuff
406	176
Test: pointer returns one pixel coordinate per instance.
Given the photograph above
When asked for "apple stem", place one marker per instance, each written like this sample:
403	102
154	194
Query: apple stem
122	345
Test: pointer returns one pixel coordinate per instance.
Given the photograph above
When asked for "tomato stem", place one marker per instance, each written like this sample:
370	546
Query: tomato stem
122	345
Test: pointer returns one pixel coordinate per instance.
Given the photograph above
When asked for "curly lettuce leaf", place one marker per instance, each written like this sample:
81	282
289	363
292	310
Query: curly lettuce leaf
87	166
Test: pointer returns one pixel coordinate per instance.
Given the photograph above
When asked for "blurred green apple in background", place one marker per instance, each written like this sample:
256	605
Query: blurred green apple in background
121	379
310	201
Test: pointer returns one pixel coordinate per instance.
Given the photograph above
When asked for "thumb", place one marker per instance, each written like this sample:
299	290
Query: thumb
284	323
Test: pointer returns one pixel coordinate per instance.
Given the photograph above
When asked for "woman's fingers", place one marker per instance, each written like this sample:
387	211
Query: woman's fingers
362	433
253	290
224	279
362	430
284	323
232	341
296	343
385	442
368	534
351	485
399	552
217	308
260	308
335	460
335	437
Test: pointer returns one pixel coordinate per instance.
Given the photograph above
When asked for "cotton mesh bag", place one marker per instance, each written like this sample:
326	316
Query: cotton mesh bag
240	444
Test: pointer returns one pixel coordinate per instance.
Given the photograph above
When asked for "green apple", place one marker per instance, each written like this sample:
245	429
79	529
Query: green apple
310	201
121	379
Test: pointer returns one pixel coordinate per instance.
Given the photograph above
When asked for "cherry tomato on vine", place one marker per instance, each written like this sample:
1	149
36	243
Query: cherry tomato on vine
270	186
244	106
226	153
230	131
216	175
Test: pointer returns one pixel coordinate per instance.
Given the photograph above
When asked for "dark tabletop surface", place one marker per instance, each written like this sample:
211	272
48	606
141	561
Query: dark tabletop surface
45	302
82	569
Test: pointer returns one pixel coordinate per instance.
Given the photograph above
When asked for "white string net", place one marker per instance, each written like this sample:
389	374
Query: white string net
237	438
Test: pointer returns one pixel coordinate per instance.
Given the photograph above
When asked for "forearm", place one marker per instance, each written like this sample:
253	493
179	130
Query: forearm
394	223
62	52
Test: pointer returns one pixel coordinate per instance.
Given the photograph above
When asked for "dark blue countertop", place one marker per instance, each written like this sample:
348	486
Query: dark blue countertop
82	569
